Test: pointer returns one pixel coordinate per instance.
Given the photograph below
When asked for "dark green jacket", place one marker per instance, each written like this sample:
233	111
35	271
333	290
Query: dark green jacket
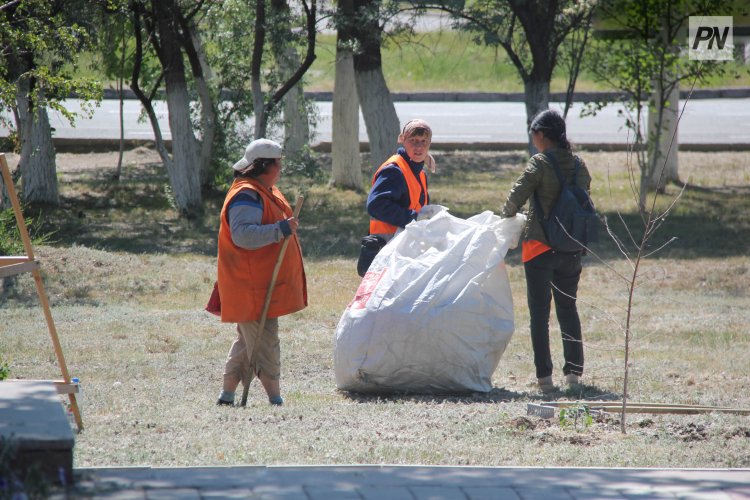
540	176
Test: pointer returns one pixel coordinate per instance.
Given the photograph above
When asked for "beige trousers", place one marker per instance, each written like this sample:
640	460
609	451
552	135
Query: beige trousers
254	353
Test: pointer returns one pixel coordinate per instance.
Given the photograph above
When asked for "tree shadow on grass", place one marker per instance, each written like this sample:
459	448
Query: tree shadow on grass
705	222
136	214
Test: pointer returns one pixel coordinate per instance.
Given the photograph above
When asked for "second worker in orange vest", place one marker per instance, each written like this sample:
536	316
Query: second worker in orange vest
399	186
255	219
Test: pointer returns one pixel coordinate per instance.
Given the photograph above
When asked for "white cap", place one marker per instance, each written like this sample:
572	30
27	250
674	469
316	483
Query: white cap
259	148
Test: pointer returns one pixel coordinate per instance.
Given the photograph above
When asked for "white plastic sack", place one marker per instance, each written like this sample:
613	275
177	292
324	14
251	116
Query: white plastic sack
434	313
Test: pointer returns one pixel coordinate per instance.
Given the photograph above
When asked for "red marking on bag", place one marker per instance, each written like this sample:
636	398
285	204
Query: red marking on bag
366	287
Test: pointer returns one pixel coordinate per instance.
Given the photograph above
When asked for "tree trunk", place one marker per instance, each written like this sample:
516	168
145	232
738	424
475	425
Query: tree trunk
296	122
184	171
37	161
201	75
4	196
259	107
664	161
379	112
536	97
346	169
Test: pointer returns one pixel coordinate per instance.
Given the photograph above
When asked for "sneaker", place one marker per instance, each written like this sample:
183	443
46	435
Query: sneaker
276	401
221	402
546	385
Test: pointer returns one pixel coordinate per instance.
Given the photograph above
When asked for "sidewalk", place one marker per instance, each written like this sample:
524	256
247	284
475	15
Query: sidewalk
390	482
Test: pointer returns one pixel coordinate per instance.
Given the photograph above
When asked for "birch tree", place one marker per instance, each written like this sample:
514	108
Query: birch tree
37	39
169	31
296	111
641	60
346	166
531	32
264	104
375	99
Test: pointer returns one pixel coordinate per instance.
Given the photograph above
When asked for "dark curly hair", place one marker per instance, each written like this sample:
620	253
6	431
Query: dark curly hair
552	125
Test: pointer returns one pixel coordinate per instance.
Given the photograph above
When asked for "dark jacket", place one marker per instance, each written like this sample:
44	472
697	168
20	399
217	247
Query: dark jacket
540	176
388	200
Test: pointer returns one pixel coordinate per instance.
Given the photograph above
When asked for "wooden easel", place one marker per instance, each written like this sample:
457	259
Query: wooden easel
11	266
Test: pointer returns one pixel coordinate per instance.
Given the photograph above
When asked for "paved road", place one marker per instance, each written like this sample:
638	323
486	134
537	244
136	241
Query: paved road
706	121
412	483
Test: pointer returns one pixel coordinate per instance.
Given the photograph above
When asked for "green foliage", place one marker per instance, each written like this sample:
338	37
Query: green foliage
4	369
229	50
10	237
305	164
578	417
39	45
642	53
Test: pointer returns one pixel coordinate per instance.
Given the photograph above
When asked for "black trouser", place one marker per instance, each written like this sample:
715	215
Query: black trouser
554	274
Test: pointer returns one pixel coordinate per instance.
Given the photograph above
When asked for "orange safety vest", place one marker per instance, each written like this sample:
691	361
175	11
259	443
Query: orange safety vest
415	189
245	275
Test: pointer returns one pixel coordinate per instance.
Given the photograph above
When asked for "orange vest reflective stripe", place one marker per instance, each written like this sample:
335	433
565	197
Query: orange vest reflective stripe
244	275
415	189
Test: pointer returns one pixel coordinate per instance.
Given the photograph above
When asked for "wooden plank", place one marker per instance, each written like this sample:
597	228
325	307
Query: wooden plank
629	403
656	408
65	388
14	269
6	260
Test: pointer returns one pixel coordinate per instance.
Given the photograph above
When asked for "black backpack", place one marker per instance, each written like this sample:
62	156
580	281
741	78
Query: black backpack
572	223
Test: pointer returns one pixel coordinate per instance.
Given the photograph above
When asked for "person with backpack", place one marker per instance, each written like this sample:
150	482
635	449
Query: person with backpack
552	268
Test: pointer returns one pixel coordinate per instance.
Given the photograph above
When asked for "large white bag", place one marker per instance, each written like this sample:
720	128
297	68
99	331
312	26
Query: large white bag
434	313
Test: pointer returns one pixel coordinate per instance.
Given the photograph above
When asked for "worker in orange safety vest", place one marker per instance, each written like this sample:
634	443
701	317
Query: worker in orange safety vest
255	219
399	186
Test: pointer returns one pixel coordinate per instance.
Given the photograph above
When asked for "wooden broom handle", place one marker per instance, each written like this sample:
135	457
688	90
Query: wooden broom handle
269	292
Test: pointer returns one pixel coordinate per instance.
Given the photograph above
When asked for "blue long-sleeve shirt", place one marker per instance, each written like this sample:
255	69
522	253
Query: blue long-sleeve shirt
388	200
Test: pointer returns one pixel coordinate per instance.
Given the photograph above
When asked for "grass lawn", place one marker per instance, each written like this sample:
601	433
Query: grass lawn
128	281
451	61
448	61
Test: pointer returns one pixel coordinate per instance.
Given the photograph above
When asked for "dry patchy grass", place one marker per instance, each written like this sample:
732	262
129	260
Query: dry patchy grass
132	326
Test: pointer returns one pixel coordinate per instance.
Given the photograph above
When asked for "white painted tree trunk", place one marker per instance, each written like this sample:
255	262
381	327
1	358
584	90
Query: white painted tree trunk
184	169
296	121
208	110
37	162
536	98
379	113
664	160
346	168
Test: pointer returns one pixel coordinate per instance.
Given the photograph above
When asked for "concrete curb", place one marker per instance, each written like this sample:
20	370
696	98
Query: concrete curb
409	481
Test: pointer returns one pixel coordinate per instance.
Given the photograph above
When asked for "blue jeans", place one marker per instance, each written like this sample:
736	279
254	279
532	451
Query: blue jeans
554	274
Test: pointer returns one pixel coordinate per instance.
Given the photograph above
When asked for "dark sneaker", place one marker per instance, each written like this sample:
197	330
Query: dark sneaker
221	402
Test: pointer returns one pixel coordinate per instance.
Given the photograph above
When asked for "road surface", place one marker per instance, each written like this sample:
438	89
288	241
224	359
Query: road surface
706	121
